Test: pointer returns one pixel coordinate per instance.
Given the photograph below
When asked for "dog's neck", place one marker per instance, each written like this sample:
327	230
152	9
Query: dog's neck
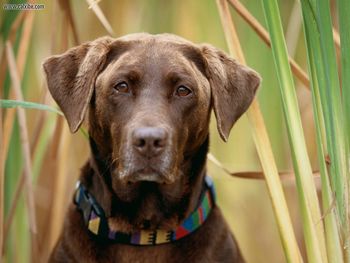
98	181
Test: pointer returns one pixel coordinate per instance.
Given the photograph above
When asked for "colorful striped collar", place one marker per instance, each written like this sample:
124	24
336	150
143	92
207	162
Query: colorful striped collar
97	222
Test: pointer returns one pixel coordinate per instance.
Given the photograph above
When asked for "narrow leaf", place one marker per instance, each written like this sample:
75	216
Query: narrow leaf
310	210
28	105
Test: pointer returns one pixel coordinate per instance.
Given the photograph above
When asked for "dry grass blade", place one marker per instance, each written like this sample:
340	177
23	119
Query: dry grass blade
2	171
54	27
25	41
10	113
65	6
3	69
20	184
48	229
21	60
258	175
294	28
215	161
336	38
13	207
2	183
16	24
49	163
58	207
39	123
24	139
94	6
264	35
264	149
44	182
3	65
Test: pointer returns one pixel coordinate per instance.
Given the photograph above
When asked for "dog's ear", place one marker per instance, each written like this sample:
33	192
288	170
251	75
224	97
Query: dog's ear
233	87
71	78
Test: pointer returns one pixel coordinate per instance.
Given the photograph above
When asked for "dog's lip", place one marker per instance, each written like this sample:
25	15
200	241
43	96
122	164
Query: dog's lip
148	174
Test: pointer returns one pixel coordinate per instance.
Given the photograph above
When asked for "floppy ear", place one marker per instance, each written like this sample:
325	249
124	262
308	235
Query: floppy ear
233	87
71	78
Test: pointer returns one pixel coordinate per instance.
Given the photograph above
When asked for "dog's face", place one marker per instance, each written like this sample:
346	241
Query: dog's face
149	100
155	106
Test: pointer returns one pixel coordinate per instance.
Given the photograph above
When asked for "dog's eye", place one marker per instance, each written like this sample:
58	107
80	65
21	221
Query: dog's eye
183	91
122	87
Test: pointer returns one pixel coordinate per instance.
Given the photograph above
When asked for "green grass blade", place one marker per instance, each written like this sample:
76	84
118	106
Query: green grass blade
333	101
319	38
334	248
313	228
264	149
344	25
28	105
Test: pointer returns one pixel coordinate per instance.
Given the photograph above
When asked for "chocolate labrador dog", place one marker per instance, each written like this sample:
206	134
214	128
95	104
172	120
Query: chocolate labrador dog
143	195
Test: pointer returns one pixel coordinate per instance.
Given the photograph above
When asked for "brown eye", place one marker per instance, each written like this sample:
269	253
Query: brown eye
122	87
183	91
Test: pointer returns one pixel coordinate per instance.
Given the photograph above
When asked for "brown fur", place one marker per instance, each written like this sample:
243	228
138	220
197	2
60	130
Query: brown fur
154	184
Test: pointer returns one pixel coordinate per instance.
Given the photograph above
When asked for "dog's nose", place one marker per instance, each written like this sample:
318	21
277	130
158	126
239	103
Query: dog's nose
149	141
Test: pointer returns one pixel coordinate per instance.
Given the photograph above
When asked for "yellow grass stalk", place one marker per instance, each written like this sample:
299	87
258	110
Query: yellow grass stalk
9	117
50	164
294	27
336	38
25	142
264	35
48	232
2	183
12	210
308	199
21	182
258	175
28	17
42	116
264	149
93	4
3	62
58	204
65	6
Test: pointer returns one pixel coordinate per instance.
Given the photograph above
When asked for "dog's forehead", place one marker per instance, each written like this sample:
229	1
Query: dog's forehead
156	58
158	38
146	46
158	52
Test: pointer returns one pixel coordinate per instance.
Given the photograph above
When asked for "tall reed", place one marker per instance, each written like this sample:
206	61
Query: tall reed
45	149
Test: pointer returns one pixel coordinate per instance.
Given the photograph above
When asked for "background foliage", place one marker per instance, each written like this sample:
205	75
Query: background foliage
56	155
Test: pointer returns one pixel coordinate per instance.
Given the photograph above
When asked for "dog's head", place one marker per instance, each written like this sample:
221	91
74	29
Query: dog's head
149	99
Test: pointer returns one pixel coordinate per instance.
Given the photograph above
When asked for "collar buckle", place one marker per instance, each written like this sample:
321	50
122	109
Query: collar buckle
87	203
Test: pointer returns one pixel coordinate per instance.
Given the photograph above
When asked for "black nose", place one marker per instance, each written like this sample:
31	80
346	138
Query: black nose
149	141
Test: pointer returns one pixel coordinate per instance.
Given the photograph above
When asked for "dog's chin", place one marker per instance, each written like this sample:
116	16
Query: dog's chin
145	201
132	185
158	221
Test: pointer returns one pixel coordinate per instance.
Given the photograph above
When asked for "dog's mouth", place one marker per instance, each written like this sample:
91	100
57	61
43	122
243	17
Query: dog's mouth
147	194
145	174
150	175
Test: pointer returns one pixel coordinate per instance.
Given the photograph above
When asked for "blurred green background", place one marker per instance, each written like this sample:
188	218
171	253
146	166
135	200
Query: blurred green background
245	202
